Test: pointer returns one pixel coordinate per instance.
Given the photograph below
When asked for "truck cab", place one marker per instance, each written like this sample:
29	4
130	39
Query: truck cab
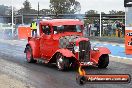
61	42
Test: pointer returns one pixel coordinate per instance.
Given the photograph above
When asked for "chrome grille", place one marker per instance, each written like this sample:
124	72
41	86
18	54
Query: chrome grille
84	51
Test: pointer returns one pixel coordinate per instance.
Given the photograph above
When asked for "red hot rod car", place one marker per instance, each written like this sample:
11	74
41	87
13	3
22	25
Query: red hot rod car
61	42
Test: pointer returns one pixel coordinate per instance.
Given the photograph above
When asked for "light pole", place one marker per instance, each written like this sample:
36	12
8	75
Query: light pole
38	19
100	24
38	11
12	17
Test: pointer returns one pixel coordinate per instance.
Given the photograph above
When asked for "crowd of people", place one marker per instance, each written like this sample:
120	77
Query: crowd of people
116	29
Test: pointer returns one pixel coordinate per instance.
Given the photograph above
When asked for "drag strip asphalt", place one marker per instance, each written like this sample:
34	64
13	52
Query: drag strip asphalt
13	63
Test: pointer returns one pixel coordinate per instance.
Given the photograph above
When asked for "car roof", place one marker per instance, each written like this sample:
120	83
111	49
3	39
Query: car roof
58	22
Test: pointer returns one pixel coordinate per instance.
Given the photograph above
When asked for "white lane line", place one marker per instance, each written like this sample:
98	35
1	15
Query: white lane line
122	46
114	45
121	57
105	43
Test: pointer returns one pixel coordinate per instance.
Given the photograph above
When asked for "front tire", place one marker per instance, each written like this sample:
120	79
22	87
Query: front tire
103	61
62	62
29	56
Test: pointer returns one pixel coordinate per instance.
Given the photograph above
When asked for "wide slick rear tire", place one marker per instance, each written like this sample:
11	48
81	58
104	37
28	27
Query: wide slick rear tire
62	62
29	56
103	61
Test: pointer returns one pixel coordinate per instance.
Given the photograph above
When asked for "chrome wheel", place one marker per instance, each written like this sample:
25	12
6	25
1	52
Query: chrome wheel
62	63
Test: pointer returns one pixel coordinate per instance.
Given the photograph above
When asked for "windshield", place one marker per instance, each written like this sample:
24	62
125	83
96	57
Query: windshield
67	28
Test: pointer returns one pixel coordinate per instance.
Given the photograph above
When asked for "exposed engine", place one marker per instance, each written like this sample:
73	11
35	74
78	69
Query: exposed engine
68	41
83	49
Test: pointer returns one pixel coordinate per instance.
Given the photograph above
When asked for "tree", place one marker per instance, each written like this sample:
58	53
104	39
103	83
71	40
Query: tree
44	11
114	12
27	6
90	19
4	10
103	13
77	7
91	12
120	13
9	11
26	9
64	6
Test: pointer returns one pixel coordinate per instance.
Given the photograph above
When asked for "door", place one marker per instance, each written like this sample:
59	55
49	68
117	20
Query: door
45	42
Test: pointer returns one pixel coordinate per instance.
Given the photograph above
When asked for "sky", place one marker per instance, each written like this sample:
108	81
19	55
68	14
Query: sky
99	5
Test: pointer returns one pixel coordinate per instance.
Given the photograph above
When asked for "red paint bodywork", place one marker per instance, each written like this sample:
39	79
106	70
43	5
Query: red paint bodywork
66	53
96	54
46	46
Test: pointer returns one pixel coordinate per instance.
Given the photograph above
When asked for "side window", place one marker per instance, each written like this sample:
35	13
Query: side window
46	29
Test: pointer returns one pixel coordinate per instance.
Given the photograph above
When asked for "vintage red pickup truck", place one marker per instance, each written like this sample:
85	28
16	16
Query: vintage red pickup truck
61	42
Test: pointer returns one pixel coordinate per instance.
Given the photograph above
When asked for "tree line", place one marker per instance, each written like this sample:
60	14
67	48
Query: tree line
56	7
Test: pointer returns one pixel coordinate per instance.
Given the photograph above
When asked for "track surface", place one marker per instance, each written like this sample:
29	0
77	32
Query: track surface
13	63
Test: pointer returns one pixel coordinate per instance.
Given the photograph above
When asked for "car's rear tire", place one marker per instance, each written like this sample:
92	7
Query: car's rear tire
103	61
62	62
29	55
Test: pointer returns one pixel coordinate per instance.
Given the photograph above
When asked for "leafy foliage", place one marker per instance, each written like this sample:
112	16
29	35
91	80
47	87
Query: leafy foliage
26	9
91	12
64	6
114	12
27	6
